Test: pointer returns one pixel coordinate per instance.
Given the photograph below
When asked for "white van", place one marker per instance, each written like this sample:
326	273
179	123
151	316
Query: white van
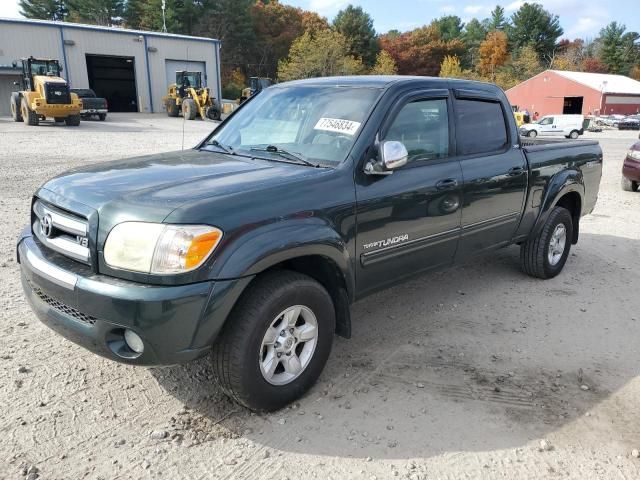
571	126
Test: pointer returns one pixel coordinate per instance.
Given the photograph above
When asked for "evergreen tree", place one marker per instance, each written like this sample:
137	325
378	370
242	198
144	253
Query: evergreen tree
43	9
618	50
473	35
498	20
96	12
357	27
450	27
533	25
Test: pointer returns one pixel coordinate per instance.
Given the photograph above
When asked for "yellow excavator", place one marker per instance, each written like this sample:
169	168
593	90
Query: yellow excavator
44	94
189	97
256	85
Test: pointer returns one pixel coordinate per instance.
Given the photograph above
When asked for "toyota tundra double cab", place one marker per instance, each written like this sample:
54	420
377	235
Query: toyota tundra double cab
252	246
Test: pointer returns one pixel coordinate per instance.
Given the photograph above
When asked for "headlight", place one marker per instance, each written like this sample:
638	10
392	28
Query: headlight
635	154
159	248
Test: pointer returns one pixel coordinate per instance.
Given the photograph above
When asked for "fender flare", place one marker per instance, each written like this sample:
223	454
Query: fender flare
559	185
278	242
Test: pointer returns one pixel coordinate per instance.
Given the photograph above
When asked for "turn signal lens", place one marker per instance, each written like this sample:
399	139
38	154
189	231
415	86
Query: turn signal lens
200	248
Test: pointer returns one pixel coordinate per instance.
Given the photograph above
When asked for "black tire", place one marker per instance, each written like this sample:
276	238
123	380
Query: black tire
213	112
628	185
534	252
72	120
236	353
58	119
15	107
102	116
189	109
172	108
574	134
532	134
29	116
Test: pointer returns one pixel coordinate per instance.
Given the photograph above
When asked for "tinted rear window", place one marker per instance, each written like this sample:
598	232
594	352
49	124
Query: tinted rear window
480	127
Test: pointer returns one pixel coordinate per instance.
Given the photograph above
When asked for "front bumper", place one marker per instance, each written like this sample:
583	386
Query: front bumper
176	324
631	169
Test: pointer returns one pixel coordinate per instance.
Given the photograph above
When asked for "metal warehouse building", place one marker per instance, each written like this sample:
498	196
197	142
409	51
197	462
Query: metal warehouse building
557	91
131	69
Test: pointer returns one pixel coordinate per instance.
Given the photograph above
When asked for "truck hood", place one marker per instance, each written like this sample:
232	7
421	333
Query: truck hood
151	187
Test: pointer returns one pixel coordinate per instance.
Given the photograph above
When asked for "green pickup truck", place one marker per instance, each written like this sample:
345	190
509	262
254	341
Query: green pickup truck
252	246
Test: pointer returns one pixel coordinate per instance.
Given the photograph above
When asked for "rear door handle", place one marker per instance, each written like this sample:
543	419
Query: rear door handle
515	171
447	184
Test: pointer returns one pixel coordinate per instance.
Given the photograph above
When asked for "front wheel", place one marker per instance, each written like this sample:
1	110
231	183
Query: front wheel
544	255
16	114
276	341
189	109
532	134
629	185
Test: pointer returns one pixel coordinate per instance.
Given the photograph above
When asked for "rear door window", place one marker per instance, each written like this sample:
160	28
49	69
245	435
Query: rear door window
480	127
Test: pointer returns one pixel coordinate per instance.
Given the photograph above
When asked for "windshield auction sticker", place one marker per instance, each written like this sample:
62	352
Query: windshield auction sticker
338	125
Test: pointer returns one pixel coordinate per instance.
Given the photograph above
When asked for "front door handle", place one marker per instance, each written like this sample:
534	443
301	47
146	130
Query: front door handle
447	184
515	171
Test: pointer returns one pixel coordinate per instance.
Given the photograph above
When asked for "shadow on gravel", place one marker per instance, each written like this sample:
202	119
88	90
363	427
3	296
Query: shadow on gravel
477	358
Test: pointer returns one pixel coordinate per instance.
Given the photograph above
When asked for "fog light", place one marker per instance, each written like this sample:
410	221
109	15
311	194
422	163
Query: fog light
134	342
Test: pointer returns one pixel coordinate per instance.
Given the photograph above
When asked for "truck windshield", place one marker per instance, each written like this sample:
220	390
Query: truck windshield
316	123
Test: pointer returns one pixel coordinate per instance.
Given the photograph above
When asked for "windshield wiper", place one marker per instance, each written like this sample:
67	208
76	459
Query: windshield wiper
228	150
285	154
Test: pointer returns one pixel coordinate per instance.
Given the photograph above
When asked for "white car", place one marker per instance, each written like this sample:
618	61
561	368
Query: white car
571	126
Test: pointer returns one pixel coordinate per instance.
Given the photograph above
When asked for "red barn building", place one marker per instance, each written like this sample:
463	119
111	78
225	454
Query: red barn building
554	92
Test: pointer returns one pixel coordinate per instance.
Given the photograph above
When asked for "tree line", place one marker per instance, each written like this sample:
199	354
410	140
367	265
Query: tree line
267	38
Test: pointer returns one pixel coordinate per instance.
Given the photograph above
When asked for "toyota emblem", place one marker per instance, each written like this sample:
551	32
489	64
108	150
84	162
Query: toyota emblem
46	226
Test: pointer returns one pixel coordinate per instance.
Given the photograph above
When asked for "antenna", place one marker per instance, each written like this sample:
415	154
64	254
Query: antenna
183	119
164	20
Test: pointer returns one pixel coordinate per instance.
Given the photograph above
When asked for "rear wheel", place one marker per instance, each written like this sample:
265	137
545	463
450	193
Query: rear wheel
532	134
189	109
276	341
72	120
29	116
213	112
629	185
545	255
16	114
102	116
574	134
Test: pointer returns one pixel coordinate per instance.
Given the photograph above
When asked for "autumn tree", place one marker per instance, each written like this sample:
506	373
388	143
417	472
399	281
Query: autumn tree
357	28
324	54
276	26
313	23
450	67
385	64
494	52
569	55
635	72
526	64
593	65
533	25
44	9
420	51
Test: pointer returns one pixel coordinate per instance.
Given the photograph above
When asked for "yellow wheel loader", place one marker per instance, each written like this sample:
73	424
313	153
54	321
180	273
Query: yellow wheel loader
189	97
44	94
256	85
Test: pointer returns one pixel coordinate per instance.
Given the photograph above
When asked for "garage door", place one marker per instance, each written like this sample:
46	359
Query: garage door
6	87
173	66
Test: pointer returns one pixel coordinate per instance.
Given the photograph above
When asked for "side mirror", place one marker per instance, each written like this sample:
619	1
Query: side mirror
391	156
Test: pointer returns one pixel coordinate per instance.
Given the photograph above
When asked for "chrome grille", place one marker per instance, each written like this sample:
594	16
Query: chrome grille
62	307
61	231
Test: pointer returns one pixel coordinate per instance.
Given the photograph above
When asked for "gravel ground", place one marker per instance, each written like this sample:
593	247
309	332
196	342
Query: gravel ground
476	372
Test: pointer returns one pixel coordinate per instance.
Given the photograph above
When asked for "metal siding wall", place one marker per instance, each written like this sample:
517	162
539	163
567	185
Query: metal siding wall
23	40
179	49
106	43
